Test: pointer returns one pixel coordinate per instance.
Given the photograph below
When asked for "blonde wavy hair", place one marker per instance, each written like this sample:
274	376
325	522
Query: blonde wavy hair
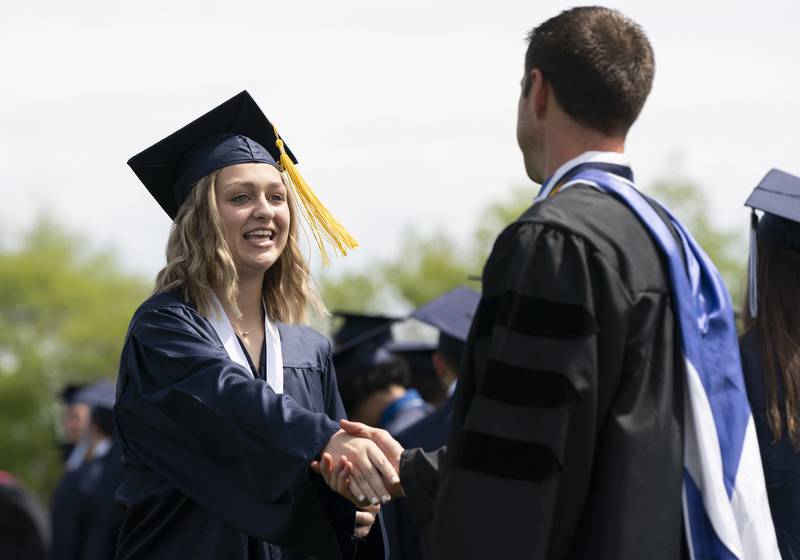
199	260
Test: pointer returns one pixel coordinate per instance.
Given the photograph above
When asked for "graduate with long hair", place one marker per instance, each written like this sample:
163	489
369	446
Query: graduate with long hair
771	348
224	398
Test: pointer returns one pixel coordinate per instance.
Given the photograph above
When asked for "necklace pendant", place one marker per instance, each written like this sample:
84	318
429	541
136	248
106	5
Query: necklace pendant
245	333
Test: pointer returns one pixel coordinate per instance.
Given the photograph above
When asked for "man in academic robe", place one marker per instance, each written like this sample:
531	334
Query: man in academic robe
566	431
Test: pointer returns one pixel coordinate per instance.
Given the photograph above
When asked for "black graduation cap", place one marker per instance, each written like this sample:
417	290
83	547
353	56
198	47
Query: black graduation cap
235	132
359	327
417	355
452	314
69	392
778	196
359	344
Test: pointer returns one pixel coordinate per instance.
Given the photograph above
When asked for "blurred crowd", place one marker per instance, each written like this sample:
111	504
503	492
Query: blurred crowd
402	383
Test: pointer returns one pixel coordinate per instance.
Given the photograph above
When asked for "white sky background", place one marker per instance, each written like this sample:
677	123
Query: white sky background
402	113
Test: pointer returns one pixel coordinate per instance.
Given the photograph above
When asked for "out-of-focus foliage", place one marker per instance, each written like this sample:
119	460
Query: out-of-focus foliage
425	264
498	215
64	310
428	264
351	291
436	258
727	248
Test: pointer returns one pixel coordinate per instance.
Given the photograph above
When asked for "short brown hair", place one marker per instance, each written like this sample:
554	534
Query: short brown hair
599	64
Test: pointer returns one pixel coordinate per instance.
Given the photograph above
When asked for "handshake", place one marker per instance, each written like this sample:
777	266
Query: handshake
362	464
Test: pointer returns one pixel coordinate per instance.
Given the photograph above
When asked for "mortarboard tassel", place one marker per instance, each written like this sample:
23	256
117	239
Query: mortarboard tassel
752	266
323	225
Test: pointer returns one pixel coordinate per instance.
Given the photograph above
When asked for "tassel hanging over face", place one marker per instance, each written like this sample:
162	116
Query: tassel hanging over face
323	226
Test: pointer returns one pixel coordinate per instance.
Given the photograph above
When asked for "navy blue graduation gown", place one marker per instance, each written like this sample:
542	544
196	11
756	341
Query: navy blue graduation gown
67	519
85	518
404	412
217	463
780	461
24	527
429	433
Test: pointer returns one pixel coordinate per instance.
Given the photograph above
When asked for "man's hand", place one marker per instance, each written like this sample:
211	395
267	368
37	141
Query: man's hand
387	444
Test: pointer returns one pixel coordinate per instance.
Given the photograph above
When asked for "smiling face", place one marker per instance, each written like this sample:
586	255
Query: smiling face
254	213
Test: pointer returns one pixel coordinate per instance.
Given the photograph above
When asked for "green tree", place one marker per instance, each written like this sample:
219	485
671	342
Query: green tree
428	264
64	309
351	291
497	217
726	248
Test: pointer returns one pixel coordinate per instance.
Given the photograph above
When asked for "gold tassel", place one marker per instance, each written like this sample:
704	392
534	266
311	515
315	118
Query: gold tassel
323	225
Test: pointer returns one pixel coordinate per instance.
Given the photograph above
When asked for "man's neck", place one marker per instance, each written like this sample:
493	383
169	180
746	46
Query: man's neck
576	142
560	154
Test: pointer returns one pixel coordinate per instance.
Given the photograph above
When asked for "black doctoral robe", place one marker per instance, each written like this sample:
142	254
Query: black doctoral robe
217	463
566	434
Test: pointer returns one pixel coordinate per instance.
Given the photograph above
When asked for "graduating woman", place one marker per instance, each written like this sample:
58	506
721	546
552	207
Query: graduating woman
223	397
771	348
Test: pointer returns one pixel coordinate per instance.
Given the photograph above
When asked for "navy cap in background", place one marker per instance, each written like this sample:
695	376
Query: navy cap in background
359	344
778	196
101	394
451	313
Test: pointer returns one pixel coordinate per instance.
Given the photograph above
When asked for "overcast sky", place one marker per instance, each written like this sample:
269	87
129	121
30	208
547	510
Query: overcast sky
402	113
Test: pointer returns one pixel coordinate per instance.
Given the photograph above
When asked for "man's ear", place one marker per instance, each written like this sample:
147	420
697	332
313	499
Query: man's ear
539	91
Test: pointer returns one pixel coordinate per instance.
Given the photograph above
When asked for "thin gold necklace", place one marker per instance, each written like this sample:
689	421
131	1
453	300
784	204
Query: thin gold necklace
245	332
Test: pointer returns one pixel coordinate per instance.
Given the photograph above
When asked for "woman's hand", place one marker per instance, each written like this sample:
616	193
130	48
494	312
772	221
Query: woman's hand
337	477
367	466
336	474
365	518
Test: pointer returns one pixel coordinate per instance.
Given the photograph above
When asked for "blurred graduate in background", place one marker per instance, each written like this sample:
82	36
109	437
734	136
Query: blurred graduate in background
452	315
74	426
771	347
85	518
374	381
24	527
